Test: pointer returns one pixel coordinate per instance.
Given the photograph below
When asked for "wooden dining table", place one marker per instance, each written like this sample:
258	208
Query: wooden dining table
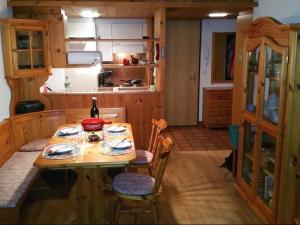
87	197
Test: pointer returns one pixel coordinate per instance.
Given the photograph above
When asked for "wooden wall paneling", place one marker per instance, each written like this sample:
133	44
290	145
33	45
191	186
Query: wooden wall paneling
243	22
32	126
140	108
50	121
6	142
57	40
29	89
160	32
150	48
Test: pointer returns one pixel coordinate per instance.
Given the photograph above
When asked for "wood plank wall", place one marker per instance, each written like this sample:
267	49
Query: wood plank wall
140	108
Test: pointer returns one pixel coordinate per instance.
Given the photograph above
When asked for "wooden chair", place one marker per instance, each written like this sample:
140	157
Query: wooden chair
144	158
140	187
75	115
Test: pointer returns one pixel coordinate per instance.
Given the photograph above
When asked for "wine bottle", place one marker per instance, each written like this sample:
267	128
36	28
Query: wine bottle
94	110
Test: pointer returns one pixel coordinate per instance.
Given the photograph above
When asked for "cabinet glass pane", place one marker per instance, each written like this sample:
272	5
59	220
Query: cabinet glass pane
252	80
23	60
248	147
22	39
37	39
38	59
267	168
272	85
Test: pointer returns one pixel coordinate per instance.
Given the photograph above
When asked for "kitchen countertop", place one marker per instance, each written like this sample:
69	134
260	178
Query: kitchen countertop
99	92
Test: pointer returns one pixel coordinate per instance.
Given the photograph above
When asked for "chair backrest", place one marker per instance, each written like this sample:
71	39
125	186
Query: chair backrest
157	127
165	145
117	115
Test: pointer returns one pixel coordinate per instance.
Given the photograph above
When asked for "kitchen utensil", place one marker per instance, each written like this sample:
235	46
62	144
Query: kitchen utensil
94	124
134	60
126	62
132	82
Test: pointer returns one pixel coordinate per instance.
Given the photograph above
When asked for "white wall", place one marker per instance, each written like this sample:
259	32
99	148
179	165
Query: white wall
5	93
285	11
82	79
208	27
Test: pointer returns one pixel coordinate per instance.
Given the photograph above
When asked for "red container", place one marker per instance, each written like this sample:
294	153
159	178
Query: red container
94	124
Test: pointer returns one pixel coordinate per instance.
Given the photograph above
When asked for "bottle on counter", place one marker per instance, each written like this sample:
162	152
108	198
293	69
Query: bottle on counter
94	110
67	83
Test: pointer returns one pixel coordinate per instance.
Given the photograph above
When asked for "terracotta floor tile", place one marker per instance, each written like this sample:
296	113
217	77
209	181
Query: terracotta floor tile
196	138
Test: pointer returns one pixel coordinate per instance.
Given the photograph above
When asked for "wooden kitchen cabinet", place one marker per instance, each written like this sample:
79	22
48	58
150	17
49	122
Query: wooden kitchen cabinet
269	135
25	48
26	58
217	107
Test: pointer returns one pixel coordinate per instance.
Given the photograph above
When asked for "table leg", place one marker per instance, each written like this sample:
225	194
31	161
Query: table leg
87	196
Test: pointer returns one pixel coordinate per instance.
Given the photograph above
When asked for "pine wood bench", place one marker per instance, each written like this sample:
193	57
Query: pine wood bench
17	172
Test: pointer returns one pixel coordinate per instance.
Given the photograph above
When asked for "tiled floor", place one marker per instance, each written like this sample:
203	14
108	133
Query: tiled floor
197	138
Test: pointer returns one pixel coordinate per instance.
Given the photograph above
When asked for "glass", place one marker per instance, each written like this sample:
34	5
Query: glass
272	85
38	59
248	147
252	80
267	168
23	60
22	39
37	39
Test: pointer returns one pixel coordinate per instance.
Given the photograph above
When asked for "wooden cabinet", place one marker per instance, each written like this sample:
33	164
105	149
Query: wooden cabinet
26	58
264	146
217	107
26	48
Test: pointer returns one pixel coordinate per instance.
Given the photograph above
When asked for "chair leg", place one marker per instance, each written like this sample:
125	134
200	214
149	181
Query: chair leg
154	212
117	211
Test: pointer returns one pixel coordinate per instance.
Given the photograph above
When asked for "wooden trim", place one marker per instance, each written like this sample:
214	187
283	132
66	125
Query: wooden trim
211	4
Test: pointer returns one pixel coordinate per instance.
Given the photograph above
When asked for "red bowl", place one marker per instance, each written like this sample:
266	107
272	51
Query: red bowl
93	124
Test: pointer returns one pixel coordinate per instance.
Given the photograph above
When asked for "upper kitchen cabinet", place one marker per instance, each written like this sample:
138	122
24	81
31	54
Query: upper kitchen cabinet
25	48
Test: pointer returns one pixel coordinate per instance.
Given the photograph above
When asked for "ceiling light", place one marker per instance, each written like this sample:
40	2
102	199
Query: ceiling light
89	13
221	14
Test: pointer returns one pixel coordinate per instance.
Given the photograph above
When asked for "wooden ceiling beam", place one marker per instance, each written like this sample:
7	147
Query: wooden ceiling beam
121	4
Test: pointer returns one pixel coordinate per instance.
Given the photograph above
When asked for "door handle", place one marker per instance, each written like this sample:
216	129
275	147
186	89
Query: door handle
193	77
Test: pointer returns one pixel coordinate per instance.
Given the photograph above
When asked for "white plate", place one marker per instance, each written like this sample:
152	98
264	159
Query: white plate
115	144
69	130
65	151
116	128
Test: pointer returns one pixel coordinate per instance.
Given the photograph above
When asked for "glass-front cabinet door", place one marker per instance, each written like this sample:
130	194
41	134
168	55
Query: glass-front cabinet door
248	152
272	81
262	123
267	164
29	50
252	80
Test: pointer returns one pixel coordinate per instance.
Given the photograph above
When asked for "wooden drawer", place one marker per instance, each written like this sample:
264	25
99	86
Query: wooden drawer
219	112
217	107
219	104
219	95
